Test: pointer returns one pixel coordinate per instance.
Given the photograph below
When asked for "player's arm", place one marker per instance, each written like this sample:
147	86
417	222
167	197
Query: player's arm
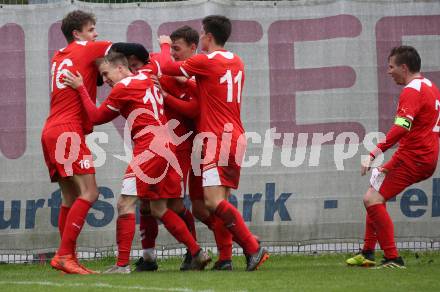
167	65
97	116
189	109
408	108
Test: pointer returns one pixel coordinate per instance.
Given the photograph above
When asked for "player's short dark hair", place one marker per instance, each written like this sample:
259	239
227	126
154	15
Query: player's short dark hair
132	49
219	26
113	58
187	33
407	55
75	20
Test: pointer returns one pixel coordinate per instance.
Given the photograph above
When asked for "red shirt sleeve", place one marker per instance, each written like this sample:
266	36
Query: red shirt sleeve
393	136
167	66
409	103
98	49
97	116
189	109
197	65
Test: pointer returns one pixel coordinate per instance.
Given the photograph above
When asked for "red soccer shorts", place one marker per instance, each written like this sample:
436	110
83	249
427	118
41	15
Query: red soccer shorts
223	168
155	179
402	175
184	160
65	151
195	187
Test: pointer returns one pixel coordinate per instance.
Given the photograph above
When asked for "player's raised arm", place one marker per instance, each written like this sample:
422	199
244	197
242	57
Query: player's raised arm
167	65
99	115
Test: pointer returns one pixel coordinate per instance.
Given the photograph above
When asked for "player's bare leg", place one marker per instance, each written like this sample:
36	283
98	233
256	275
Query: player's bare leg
125	229
217	203
65	258
177	227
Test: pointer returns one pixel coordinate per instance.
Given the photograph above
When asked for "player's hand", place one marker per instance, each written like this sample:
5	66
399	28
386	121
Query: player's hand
181	79
366	165
155	80
72	80
165	39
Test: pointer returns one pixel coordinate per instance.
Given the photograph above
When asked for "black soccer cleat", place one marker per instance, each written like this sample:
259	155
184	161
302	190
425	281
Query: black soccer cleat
225	265
145	266
396	263
186	264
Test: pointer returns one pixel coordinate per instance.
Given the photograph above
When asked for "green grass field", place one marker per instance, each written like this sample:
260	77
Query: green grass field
279	273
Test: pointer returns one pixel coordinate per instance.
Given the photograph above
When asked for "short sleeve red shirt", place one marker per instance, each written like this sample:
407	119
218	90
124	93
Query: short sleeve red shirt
65	103
420	103
220	79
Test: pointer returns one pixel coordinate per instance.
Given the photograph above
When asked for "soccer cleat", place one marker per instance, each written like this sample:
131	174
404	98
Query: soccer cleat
186	264
83	267
362	259
396	263
115	269
225	265
257	259
67	264
200	260
143	265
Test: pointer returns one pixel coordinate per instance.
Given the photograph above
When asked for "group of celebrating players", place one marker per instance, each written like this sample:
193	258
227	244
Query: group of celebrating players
165	97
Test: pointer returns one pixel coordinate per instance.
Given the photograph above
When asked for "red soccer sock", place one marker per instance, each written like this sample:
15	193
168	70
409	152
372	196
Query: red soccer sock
149	230
74	223
370	238
233	221
125	228
384	229
178	229
223	239
64	210
188	218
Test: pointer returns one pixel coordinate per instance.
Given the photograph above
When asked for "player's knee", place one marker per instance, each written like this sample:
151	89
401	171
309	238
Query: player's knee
125	205
211	204
90	195
372	197
157	212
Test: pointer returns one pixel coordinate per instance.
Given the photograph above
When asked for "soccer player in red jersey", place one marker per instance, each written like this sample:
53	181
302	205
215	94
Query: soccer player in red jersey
181	45
416	129
139	61
220	79
64	133
137	99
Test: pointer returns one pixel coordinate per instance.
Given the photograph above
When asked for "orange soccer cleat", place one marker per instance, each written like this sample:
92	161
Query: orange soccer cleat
83	267
67	264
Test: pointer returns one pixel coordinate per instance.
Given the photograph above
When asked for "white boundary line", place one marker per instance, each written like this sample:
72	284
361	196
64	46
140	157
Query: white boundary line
100	285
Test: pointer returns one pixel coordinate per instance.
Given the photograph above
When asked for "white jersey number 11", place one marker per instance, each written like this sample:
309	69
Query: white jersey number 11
237	80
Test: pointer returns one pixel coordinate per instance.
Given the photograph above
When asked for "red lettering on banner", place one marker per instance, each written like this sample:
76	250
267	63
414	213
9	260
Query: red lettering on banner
13	91
140	32
389	33
286	80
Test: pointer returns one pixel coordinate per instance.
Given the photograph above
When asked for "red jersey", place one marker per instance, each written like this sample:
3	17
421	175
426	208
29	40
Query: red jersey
138	93
420	103
65	103
181	91
220	79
